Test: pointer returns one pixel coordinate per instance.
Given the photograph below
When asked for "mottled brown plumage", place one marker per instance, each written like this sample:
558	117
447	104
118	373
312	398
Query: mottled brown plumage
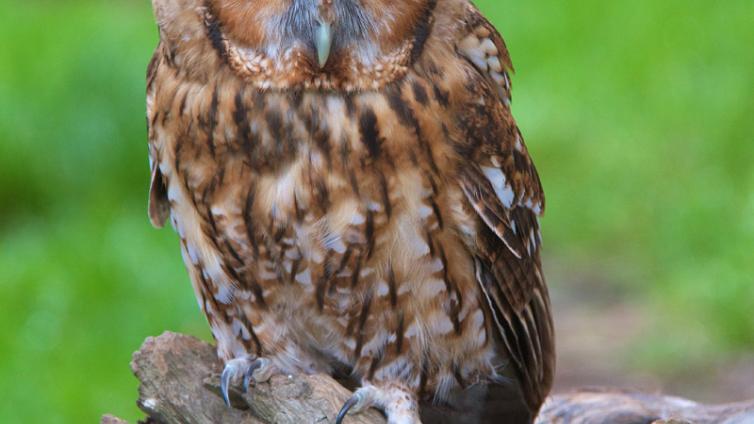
375	215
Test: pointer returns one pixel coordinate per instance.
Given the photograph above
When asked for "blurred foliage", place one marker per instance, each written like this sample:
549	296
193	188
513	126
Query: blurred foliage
639	116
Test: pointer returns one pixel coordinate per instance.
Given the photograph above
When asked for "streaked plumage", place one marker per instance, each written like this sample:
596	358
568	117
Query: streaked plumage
368	210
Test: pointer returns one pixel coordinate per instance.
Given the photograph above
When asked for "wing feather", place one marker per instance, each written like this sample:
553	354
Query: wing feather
501	185
159	206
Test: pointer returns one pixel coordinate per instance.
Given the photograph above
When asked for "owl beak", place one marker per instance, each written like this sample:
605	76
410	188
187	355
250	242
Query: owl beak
323	43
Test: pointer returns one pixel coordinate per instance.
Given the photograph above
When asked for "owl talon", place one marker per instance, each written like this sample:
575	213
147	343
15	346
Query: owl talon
225	378
251	368
261	366
350	403
395	400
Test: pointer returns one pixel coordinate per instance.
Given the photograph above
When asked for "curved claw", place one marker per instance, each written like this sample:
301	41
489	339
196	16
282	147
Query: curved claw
350	403
396	401
242	367
249	375
225	378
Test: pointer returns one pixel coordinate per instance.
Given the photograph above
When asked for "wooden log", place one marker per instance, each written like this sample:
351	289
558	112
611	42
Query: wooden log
179	378
598	406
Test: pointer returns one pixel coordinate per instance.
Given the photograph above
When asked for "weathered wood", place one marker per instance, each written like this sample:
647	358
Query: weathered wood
598	406
179	378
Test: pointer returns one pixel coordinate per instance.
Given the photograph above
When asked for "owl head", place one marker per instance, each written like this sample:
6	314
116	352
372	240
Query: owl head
322	43
321	29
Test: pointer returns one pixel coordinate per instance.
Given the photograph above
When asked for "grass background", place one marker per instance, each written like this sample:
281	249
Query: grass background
639	115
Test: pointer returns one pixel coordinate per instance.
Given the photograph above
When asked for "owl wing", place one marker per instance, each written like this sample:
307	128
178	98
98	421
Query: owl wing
186	48
501	184
159	206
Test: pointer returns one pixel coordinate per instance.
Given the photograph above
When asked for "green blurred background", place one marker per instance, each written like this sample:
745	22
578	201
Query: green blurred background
639	115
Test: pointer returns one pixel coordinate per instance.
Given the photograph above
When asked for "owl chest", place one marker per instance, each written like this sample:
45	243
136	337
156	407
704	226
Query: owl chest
319	222
300	191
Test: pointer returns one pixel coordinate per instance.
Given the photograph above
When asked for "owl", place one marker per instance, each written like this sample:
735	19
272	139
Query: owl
353	197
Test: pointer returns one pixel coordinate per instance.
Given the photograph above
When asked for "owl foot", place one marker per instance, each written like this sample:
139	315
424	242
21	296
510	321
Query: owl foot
398	403
250	368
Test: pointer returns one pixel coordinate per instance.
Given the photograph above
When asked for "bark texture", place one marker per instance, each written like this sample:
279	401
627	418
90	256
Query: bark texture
180	376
